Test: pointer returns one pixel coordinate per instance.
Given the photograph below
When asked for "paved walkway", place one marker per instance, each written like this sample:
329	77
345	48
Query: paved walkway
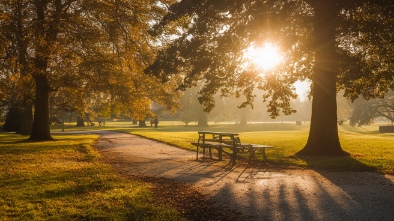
262	193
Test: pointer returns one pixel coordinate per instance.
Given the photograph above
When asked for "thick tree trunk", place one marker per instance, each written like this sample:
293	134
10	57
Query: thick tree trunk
41	129
323	137
27	120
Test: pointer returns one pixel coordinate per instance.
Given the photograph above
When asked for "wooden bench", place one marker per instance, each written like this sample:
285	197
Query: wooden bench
211	144
252	148
232	142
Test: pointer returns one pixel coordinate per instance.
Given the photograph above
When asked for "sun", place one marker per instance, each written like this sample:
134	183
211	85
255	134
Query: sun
266	57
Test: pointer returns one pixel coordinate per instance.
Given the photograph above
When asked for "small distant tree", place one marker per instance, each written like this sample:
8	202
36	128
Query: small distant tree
189	106
187	115
365	112
13	120
202	120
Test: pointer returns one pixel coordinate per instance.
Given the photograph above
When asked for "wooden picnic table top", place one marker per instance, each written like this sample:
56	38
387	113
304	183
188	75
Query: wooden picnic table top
218	133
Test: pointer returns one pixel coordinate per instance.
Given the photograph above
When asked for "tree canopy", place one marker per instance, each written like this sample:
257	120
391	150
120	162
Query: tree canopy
336	44
80	50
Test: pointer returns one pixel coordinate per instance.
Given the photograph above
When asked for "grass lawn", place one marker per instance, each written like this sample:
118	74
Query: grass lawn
369	150
65	180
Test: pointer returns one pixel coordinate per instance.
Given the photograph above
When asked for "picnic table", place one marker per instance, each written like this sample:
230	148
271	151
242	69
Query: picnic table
220	140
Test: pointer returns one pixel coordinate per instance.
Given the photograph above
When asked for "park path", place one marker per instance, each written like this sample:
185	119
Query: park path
260	193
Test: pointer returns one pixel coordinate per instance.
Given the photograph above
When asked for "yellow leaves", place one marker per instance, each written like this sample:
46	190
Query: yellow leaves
4	16
141	108
91	47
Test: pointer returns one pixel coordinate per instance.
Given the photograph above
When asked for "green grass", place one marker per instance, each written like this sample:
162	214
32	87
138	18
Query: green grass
65	180
369	150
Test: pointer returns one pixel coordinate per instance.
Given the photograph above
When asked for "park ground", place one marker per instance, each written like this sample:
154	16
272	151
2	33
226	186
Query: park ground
73	177
254	192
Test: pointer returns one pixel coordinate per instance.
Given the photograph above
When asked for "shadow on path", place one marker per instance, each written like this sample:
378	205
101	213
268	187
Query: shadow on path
262	193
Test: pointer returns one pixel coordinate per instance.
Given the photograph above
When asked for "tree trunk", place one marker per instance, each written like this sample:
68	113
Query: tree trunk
323	137
41	129
13	120
80	121
27	120
243	116
142	123
202	119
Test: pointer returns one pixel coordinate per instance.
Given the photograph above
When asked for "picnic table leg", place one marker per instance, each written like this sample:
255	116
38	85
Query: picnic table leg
197	152
234	156
203	146
251	154
220	152
263	152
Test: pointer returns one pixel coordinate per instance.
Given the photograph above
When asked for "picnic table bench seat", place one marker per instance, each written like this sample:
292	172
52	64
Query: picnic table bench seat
252	148
211	144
